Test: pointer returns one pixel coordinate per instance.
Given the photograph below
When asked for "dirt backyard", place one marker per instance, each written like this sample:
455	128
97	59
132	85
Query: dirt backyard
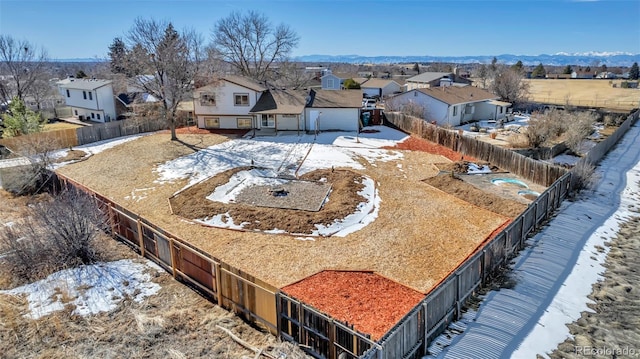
418	225
174	323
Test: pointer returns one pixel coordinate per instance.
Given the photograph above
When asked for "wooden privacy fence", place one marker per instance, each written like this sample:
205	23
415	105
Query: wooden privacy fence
109	130
36	143
47	141
539	172
233	289
444	303
320	335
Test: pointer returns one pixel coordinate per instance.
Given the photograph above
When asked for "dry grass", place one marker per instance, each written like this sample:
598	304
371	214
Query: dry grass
614	322
420	235
56	126
591	93
176	322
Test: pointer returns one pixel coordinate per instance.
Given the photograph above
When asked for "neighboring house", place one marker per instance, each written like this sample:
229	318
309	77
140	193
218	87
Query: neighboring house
434	79
453	105
89	99
606	75
279	110
582	75
332	81
226	104
333	110
380	88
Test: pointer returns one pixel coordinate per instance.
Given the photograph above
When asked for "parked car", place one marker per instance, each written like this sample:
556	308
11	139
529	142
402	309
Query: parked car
369	103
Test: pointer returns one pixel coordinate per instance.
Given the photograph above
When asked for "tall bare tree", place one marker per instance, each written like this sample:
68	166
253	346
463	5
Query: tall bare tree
161	62
509	84
252	44
22	63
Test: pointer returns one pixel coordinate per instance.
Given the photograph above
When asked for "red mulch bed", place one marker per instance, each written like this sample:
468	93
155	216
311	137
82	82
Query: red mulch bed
418	144
371	303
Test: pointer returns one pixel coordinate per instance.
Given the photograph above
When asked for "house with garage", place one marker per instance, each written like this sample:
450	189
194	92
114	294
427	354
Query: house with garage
89	99
331	81
452	105
226	103
279	110
380	88
435	79
327	110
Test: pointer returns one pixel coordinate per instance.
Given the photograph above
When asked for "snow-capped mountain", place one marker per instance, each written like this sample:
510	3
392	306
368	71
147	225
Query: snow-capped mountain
559	59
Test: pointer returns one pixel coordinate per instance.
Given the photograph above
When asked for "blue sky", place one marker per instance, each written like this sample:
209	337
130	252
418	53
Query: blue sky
85	28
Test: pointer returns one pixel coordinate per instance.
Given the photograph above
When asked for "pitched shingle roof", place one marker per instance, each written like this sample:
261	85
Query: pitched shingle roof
336	99
454	95
377	83
245	82
280	102
83	84
429	76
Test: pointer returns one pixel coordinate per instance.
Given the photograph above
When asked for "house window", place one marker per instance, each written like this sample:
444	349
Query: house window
91	96
93	115
68	94
500	107
415	94
76	112
98	116
207	99
211	122
241	99
455	110
84	94
244	122
289	115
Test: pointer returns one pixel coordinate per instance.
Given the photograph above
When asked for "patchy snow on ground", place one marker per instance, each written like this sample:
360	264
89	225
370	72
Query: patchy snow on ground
572	298
475	169
227	192
490	125
91	289
93	148
292	154
287	151
366	212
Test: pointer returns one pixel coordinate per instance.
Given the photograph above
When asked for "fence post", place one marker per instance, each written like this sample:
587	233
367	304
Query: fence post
140	238
112	219
173	257
218	283
426	327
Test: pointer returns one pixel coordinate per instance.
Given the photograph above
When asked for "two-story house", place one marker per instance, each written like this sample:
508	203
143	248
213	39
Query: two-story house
89	99
226	103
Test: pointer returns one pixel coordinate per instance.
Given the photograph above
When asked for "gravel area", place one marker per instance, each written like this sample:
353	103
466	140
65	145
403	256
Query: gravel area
302	195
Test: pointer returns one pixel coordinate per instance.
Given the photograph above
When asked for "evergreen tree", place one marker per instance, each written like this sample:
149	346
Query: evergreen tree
494	64
588	69
603	68
20	120
634	72
117	55
518	66
350	84
539	72
567	70
416	67
80	74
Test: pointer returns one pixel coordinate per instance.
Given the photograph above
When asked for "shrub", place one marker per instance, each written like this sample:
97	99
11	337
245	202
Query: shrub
544	127
55	234
583	176
579	125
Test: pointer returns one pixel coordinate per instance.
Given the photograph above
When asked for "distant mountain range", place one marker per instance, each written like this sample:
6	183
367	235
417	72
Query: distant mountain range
559	59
